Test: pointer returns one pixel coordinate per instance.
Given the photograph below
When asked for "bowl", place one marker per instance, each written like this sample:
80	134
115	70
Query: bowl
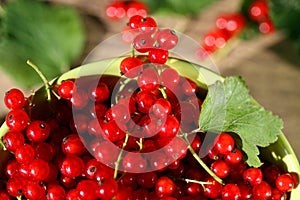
279	153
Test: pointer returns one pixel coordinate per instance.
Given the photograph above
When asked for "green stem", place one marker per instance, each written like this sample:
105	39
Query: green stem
43	77
205	167
117	163
195	181
3	130
163	92
132	51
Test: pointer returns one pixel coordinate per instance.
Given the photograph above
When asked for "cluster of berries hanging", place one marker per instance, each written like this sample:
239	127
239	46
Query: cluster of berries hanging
121	9
230	25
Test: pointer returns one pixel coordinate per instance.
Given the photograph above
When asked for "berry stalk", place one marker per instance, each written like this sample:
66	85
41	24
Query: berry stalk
3	130
117	163
205	167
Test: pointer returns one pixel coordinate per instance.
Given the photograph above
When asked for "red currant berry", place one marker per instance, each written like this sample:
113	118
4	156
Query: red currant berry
4	195
215	39
295	177
25	154
224	143
99	94
14	99
38	131
72	194
278	195
17	120
106	153
145	100
147	180
148	24
14	186
176	149
169	78
33	190
65	89
164	187
262	191
107	190
55	192
12	168
158	56
193	189
136	8
220	168
258	10
253	176
72	145
143	42
245	190
79	99
231	192
234	157
161	108
167	39
87	189
134	162
44	151
13	140
134	21
116	10
266	27
149	80
131	67
285	182
271	173
170	128
212	190
38	169
71	166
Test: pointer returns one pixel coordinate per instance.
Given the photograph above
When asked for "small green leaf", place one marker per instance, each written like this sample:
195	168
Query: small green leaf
229	107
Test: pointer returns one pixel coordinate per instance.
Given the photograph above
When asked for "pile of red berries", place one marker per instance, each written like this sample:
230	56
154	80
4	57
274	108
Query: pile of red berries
120	9
128	137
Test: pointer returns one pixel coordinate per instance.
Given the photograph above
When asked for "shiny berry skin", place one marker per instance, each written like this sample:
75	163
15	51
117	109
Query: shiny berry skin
258	10
262	191
161	108
4	195
17	120
44	151
55	192
143	42
224	143
33	190
145	100
253	176
65	89
116	10
106	153
164	187
148	24
72	145
214	40
170	128
134	162
134	21
12	168
193	189
212	190
232	23
38	131
72	166
158	56
91	167
234	157
149	80
266	26
13	140
169	78
131	67
147	180
14	186
87	189
100	94
271	173
38	169
278	195
176	149
166	38
14	99
25	154
231	192
220	168
136	8
72	194
284	182
245	190
107	190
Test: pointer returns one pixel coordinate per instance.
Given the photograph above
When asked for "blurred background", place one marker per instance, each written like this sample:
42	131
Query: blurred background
257	39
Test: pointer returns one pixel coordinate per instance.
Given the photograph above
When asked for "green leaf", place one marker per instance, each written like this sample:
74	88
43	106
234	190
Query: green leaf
229	107
50	36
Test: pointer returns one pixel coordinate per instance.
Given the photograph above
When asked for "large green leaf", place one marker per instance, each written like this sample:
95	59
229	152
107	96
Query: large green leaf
229	107
50	36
